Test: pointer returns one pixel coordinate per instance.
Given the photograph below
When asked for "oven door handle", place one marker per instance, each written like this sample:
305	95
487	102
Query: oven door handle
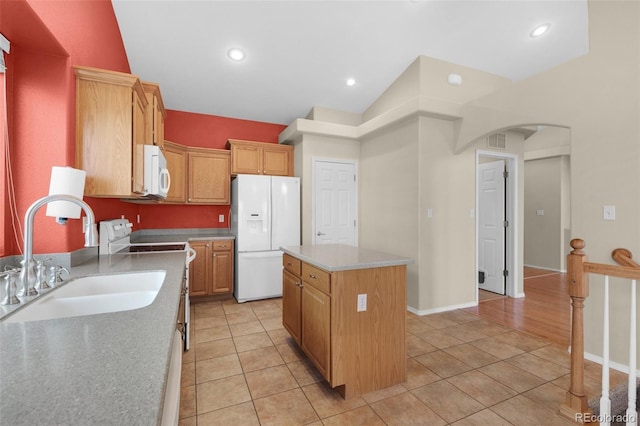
191	256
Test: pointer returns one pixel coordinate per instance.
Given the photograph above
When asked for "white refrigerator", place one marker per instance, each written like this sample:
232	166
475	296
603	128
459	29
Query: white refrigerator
265	215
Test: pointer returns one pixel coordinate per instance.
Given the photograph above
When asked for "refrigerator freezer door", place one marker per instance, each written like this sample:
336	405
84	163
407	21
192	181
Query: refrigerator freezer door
254	213
258	275
285	220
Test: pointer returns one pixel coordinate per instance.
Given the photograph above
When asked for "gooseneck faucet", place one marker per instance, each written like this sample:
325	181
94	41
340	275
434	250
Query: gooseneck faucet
28	273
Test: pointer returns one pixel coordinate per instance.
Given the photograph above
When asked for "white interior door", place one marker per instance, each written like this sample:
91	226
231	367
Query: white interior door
491	226
335	202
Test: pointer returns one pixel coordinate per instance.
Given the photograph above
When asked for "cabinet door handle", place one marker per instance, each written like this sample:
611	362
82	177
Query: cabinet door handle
320	233
289	264
313	276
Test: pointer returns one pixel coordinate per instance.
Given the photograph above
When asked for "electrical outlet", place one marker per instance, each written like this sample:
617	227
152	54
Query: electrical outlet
540	212
220	218
362	302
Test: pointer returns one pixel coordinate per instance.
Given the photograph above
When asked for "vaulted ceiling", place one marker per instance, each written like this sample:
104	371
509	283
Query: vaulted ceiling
299	54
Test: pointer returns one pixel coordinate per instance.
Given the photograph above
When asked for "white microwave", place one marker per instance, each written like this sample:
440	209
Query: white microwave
156	175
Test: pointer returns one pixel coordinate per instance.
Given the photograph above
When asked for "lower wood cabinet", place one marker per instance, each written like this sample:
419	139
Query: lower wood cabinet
211	272
316	331
356	351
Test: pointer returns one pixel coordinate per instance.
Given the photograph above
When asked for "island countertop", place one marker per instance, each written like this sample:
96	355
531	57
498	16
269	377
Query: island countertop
343	257
99	369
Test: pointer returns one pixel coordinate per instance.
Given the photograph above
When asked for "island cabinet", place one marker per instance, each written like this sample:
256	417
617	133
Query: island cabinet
211	272
110	132
176	156
209	181
260	158
347	316
155	114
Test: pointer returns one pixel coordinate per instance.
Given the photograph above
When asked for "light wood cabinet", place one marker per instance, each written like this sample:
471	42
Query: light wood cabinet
199	268
209	180
211	272
176	156
291	311
222	267
357	351
259	158
110	132
316	332
155	114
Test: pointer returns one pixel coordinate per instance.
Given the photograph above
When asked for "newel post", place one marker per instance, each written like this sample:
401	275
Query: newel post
576	400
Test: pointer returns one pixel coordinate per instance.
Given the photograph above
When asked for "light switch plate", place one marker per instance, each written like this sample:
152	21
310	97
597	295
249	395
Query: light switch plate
362	302
609	212
220	218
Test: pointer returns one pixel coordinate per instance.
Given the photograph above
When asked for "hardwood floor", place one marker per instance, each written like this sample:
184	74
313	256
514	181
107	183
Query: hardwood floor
544	312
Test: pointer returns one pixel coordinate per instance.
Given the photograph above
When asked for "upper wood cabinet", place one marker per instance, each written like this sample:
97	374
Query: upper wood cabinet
176	156
110	132
155	114
209	179
259	158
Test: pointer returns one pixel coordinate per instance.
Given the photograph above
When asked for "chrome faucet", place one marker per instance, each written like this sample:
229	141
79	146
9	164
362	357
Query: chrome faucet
28	273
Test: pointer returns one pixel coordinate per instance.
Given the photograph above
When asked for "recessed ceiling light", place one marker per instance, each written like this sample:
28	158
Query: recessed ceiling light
236	54
539	30
351	82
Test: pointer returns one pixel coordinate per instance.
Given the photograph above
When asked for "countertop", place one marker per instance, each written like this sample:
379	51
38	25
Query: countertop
106	369
180	235
342	257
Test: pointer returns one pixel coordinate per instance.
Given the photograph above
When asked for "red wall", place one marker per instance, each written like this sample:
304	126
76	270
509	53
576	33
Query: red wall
210	131
47	39
205	131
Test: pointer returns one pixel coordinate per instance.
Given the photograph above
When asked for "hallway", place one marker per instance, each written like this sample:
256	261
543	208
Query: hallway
544	312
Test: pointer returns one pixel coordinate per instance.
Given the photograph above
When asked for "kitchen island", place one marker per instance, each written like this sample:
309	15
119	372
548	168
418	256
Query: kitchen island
345	307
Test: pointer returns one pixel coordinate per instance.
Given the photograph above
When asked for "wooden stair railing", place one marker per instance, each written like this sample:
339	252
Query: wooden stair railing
578	270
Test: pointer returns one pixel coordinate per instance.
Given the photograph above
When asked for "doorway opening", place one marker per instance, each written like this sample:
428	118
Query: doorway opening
497	223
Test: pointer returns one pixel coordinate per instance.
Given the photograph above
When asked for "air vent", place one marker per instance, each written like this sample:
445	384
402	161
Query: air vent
497	141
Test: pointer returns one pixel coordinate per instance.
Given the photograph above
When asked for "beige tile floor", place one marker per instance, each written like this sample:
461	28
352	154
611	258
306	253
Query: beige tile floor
244	369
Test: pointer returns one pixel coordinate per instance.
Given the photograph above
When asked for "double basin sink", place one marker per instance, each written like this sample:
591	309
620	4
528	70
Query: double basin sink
97	294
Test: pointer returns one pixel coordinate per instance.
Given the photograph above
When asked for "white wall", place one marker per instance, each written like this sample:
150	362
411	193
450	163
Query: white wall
389	197
543	234
596	96
308	148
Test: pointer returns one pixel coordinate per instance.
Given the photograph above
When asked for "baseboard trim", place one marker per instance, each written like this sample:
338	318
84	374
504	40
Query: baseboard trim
546	268
614	365
442	309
